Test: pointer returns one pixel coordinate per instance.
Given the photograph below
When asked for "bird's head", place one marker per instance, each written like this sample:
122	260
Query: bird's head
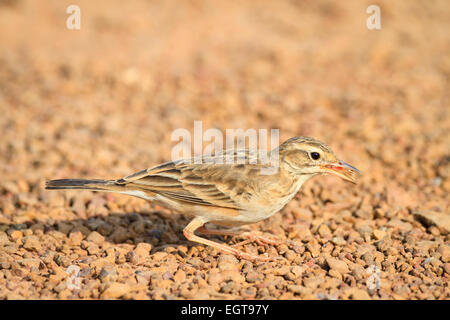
308	156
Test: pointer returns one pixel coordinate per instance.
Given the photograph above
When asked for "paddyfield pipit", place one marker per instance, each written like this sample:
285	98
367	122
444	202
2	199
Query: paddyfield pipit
226	194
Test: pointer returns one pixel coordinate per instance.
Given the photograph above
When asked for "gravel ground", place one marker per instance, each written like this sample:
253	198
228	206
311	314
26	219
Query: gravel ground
102	102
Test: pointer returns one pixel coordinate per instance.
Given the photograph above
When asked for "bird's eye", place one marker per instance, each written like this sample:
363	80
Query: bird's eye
315	155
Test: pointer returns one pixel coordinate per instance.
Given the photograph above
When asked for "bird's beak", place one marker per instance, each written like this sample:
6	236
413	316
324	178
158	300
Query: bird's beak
343	170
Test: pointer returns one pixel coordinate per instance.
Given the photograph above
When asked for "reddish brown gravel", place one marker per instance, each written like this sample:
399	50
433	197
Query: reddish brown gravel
103	101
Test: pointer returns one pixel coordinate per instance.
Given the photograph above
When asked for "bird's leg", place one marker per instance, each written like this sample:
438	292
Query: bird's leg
261	240
251	236
197	223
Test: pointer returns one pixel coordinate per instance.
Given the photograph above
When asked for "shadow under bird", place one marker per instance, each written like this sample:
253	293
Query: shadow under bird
223	194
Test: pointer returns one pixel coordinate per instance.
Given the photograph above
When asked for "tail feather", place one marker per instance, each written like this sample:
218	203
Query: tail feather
89	184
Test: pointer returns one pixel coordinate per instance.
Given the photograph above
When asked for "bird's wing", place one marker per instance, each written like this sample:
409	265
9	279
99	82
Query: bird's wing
200	184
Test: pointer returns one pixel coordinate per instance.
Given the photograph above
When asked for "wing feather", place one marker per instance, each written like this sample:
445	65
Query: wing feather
209	183
192	183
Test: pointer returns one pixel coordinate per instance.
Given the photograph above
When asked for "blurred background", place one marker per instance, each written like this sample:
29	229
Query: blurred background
102	101
115	89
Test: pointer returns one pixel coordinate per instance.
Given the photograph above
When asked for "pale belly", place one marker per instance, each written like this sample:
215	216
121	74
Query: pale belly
258	213
251	213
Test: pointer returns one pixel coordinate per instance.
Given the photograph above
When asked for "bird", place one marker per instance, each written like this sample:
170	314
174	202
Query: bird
226	193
